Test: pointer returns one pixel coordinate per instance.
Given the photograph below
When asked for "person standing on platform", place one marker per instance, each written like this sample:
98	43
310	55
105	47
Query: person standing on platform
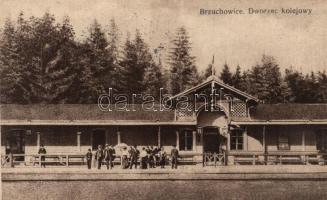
134	157
99	156
162	157
111	156
89	158
106	155
42	151
124	158
144	157
174	157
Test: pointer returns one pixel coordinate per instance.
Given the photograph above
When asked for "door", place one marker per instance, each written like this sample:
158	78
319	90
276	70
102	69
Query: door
211	140
98	138
15	143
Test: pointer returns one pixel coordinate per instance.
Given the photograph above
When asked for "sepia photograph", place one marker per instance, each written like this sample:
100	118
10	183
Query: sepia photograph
163	99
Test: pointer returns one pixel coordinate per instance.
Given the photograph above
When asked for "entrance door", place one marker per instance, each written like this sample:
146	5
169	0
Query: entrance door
16	143
211	140
98	138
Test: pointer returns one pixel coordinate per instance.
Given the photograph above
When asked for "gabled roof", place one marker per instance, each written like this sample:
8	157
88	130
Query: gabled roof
213	79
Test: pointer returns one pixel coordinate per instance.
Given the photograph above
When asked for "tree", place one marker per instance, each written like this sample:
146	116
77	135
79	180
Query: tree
113	48
226	75
10	72
41	66
183	73
322	87
134	64
153	79
237	81
265	81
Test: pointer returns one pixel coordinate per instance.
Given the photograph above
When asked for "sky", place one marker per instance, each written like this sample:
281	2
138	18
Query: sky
299	41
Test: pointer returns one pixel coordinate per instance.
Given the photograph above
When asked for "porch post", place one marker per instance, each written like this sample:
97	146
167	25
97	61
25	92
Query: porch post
79	140
303	141
107	136
159	136
194	140
228	141
177	140
245	139
264	143
118	137
38	139
303	147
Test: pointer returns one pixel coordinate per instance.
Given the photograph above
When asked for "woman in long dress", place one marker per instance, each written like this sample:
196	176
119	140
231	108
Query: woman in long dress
125	158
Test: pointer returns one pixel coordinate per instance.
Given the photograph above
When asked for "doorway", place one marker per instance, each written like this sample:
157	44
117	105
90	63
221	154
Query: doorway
211	140
15	143
98	138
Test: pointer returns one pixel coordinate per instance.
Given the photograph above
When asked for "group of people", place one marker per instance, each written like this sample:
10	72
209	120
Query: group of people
149	157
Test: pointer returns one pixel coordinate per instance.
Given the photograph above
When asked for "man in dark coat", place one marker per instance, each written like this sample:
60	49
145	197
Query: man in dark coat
99	156
109	156
134	156
162	157
42	151
174	157
89	158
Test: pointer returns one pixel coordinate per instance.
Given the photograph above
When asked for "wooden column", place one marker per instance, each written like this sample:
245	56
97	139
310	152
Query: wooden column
38	140
245	139
228	142
118	137
303	141
159	136
107	137
79	140
177	139
194	140
264	139
264	143
304	157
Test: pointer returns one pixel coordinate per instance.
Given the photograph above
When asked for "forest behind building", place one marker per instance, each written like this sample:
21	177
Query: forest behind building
43	61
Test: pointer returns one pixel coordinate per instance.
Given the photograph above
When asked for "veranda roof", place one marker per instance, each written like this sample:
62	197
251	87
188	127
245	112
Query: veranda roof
90	114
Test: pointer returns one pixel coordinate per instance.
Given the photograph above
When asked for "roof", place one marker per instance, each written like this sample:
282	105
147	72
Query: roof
286	113
215	80
90	114
82	114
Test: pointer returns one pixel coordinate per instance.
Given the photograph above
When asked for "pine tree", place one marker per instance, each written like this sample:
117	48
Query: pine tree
237	78
322	87
99	56
153	79
136	60
183	73
41	63
50	78
226	75
265	81
113	48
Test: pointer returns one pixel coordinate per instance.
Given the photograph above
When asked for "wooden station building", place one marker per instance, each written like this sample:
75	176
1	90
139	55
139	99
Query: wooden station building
236	125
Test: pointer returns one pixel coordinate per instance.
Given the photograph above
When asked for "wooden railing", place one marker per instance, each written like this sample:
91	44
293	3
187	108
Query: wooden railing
214	159
35	159
67	160
208	159
278	157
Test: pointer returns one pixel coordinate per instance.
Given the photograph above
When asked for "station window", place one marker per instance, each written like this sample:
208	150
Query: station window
186	140
236	140
283	142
